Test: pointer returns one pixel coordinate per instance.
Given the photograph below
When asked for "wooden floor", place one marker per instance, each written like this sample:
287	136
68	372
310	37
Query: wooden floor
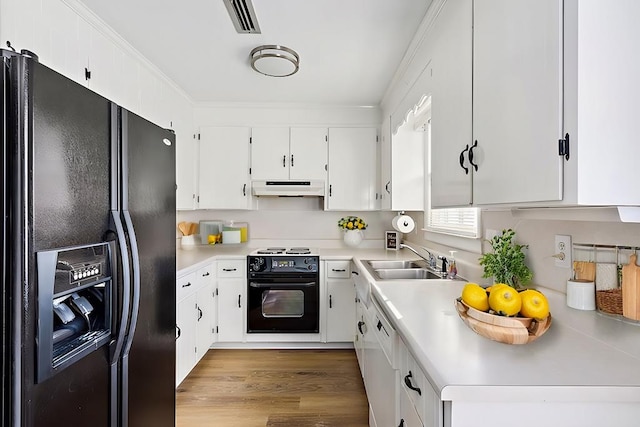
275	388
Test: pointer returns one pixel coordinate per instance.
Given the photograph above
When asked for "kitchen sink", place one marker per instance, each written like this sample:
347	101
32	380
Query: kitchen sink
396	264
401	270
406	273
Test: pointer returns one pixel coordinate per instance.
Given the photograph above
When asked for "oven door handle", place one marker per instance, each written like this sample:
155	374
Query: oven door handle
282	285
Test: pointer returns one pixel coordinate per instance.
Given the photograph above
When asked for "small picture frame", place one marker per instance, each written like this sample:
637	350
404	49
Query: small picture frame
392	240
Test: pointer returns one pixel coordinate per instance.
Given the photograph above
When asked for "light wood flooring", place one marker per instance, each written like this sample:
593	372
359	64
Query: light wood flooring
274	388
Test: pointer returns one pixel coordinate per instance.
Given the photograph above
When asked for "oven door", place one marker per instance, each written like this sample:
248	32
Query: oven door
282	305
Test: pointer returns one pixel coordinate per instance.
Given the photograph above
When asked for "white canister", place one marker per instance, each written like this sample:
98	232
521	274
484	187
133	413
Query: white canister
581	294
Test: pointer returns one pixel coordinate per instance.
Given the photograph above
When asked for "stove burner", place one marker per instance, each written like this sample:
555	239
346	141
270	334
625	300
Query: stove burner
271	251
299	251
279	251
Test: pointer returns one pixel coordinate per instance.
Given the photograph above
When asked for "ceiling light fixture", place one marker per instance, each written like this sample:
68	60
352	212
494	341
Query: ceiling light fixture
275	60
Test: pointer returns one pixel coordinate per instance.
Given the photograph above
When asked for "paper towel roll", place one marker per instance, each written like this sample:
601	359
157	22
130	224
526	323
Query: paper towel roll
403	223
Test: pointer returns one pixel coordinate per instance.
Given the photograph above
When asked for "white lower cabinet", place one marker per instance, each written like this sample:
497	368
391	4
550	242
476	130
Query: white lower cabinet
232	284
340	304
195	318
358	338
206	310
418	393
186	319
380	370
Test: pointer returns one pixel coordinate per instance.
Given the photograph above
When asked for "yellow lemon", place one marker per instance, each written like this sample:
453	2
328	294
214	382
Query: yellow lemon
505	300
475	296
534	304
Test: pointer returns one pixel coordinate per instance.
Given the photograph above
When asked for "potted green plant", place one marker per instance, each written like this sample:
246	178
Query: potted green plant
506	261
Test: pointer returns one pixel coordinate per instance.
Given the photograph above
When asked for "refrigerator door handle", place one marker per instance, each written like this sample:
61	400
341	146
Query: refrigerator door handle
116	347
135	305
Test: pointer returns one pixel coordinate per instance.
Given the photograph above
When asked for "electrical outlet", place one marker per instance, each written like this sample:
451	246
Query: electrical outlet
562	251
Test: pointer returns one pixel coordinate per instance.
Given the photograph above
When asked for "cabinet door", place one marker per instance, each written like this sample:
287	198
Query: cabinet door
358	340
270	157
384	188
308	154
517	101
231	302
408	416
352	167
186	318
407	167
204	308
341	310
451	106
224	168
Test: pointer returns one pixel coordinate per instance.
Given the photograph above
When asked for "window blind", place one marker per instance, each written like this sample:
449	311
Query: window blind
460	221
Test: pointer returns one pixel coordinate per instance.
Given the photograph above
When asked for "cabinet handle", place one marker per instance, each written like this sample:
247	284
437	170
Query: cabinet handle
401	423
205	274
179	332
284	161
407	382
360	325
386	187
338	269
330	302
239	306
379	325
355	272
199	313
229	269
187	285
244	189
330	189
475	144
292	160
466	169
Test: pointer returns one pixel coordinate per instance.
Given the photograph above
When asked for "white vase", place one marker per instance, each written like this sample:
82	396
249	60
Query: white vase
353	237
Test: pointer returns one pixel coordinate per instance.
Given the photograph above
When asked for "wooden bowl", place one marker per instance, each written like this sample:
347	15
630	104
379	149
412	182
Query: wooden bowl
508	330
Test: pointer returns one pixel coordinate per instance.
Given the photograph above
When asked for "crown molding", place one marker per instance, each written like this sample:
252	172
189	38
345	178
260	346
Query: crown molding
101	26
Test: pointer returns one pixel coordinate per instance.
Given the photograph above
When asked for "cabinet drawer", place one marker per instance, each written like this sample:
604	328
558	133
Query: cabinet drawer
186	285
338	269
231	268
206	275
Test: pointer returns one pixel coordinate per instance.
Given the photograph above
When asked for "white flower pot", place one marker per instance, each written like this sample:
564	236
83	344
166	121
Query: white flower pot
353	237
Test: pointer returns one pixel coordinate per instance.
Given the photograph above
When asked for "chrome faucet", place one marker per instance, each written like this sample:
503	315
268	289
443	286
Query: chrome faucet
431	260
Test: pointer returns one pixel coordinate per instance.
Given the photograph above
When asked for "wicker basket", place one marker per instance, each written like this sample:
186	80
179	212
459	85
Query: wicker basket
609	301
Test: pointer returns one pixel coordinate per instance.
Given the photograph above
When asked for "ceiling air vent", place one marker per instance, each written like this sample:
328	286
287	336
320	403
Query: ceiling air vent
243	16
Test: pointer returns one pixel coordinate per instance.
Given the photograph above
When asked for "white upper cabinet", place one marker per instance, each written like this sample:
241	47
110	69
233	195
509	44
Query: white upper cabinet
601	102
308	159
451	105
224	168
352	169
282	153
517	101
496	123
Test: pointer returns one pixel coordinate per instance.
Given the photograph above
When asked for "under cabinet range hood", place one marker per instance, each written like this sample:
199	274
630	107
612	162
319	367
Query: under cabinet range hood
287	188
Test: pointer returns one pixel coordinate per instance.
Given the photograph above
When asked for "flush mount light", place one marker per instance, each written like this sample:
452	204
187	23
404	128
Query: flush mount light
275	61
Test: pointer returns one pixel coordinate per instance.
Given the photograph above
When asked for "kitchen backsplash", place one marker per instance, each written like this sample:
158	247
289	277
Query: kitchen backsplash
540	236
297	219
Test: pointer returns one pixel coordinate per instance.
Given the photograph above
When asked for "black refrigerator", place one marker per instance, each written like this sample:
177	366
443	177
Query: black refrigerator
88	256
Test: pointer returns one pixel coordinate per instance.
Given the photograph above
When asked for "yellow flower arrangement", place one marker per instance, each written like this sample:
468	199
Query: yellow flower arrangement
352	223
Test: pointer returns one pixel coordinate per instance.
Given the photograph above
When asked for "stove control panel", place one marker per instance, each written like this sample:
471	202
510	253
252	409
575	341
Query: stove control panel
282	264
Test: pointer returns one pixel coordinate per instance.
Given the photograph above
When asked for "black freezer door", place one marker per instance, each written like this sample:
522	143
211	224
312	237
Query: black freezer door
149	202
59	139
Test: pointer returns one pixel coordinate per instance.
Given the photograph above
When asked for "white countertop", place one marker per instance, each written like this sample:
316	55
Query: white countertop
584	356
595	357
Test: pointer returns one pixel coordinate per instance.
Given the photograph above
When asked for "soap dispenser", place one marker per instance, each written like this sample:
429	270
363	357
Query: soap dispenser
453	270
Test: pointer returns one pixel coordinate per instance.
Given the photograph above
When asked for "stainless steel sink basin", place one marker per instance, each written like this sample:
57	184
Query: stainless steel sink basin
405	273
395	264
400	270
